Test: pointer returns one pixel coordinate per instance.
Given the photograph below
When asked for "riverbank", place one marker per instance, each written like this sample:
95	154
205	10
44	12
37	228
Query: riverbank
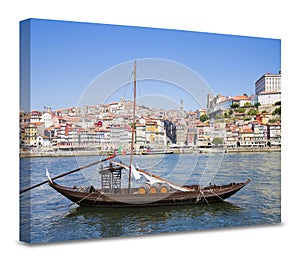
25	154
253	149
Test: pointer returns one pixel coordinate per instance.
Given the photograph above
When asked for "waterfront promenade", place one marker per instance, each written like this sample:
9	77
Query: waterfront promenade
63	153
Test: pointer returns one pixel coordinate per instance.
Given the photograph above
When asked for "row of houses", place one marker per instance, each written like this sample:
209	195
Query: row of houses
110	126
151	132
106	126
107	133
251	135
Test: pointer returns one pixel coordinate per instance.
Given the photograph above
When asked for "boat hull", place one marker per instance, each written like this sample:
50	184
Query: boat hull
96	198
157	153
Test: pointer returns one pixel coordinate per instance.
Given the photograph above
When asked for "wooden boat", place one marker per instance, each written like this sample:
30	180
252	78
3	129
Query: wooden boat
156	194
154	191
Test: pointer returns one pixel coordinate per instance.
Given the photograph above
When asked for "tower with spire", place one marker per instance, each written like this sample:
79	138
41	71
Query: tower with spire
181	107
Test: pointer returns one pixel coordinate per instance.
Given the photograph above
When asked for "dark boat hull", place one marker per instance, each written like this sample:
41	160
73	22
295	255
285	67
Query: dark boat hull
157	153
96	198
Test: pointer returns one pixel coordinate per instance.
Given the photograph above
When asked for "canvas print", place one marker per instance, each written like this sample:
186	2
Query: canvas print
128	131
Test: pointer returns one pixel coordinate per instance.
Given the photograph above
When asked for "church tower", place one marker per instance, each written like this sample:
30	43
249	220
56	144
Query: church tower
181	106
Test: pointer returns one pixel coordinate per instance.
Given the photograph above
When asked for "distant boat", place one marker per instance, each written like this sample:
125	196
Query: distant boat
154	191
156	152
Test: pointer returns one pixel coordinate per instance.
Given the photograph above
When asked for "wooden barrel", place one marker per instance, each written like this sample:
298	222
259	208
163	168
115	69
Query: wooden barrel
154	189
164	188
144	189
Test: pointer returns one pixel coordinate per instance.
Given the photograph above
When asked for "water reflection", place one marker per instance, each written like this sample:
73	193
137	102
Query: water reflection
110	222
50	219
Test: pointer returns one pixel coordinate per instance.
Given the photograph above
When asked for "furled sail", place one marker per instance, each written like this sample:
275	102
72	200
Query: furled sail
135	173
152	179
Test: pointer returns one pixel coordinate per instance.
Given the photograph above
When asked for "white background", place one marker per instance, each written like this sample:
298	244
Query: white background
274	19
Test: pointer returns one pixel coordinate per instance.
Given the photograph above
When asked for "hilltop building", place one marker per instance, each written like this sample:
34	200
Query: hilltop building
268	89
268	83
219	103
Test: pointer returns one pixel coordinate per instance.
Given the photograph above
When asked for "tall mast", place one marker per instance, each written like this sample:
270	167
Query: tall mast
133	128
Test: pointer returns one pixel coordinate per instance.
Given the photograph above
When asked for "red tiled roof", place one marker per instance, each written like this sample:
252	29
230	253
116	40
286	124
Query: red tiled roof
246	130
38	123
202	124
240	98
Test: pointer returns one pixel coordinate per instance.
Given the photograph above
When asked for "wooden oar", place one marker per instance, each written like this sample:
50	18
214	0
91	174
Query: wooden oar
65	174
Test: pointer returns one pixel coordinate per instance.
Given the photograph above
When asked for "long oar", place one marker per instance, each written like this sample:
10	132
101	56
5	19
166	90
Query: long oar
65	174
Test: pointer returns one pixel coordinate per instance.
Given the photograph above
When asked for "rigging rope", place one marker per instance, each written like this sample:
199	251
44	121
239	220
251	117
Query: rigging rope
218	196
79	201
200	196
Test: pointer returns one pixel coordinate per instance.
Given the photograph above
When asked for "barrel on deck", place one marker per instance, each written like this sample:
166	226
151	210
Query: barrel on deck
164	188
154	189
144	189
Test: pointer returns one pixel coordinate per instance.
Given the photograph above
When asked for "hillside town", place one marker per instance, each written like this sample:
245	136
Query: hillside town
242	121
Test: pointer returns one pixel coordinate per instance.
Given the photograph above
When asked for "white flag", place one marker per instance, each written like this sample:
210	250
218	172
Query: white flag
135	173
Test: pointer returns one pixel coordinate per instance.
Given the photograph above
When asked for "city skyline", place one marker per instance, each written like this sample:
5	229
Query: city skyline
67	56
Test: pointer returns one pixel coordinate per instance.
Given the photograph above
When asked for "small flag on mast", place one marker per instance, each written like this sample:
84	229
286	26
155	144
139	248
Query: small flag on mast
121	151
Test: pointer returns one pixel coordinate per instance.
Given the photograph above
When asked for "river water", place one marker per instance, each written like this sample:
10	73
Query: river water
46	216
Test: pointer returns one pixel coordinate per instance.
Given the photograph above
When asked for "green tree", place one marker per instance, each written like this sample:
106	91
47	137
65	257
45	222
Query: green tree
217	141
203	118
278	103
274	120
257	105
253	112
277	111
247	104
241	110
235	105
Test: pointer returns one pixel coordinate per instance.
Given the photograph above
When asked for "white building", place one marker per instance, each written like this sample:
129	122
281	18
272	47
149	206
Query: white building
268	83
43	141
47	119
120	135
35	116
140	134
268	98
181	133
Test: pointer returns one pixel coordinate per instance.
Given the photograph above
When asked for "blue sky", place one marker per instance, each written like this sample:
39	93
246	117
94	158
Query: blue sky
66	57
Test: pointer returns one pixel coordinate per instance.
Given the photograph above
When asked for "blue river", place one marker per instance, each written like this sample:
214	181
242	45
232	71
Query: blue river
47	216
